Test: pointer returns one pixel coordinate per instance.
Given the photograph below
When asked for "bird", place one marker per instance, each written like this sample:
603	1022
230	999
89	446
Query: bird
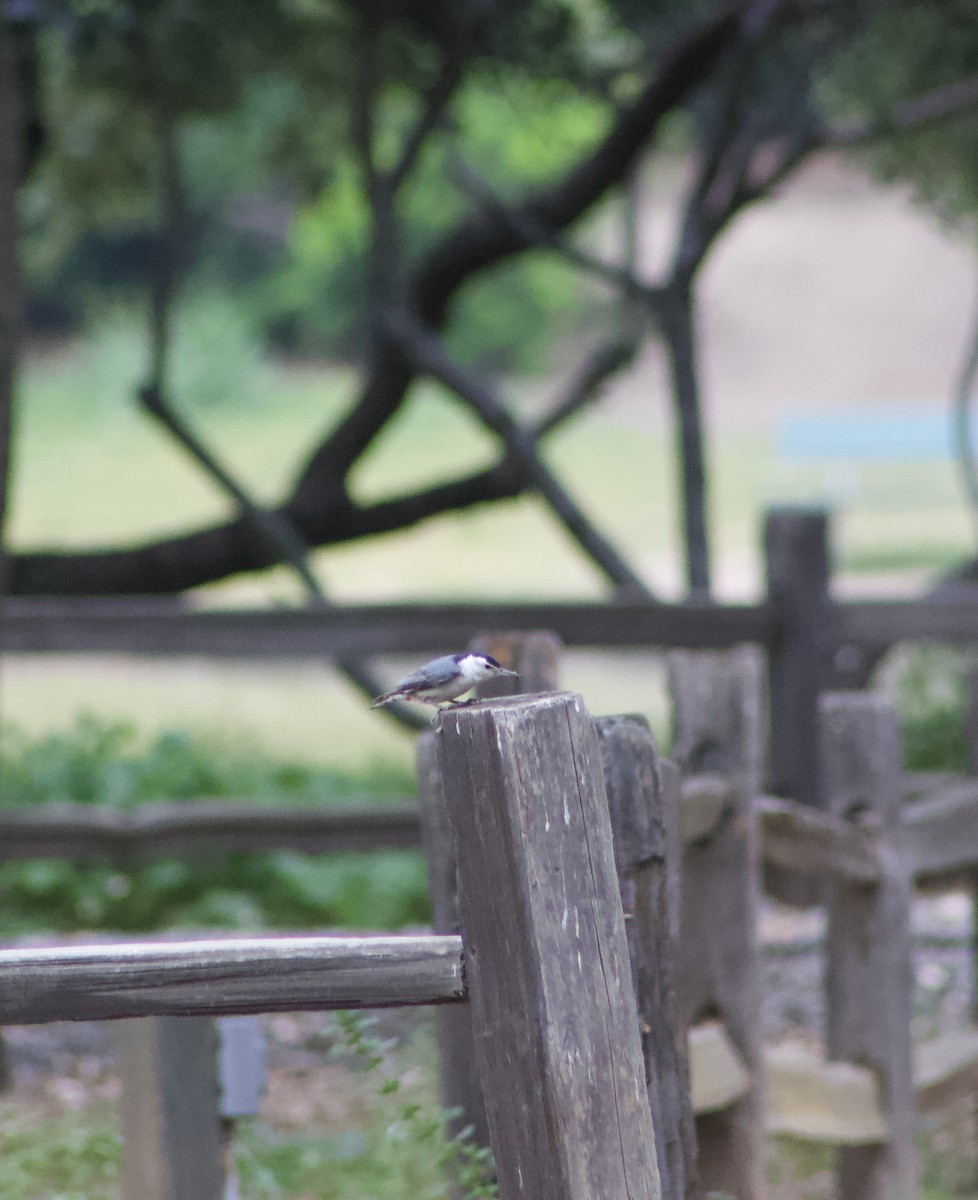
444	679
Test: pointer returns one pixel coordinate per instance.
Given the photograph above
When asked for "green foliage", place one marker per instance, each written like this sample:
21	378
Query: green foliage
72	1156
930	689
274	196
907	51
469	1166
104	764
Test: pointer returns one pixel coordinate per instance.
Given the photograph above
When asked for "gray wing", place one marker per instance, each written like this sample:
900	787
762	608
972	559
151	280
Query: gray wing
435	673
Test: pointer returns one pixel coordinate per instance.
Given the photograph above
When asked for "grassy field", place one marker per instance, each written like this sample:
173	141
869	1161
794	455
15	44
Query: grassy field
90	469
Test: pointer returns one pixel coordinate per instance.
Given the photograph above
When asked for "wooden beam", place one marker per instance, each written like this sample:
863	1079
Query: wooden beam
643	800
717	718
869	951
946	1070
796	556
940	832
836	1103
803	839
233	975
718	1076
200	827
952	619
172	1139
153	629
557	1038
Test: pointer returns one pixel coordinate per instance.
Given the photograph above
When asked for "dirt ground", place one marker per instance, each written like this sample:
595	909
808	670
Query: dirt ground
840	292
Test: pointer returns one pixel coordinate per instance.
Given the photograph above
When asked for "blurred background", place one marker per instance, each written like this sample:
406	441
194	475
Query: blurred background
715	259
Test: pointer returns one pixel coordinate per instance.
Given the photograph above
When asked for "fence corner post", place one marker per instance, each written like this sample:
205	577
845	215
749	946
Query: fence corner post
557	1040
718	731
869	951
796	554
643	799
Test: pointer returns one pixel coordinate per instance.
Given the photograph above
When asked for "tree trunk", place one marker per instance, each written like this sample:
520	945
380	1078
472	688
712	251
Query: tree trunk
677	317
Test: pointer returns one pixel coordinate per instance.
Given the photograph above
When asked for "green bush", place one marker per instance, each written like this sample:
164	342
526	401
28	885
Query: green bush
106	764
929	685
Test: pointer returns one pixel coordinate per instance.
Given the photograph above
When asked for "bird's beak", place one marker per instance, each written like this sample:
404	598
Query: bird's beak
507	671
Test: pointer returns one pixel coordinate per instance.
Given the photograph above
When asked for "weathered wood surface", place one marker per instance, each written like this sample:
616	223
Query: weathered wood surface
883	622
797	565
835	1103
148	628
460	1084
233	975
804	839
80	831
717	730
940	832
946	1070
546	955
643	800
536	657
829	1102
717	1073
869	969
172	1141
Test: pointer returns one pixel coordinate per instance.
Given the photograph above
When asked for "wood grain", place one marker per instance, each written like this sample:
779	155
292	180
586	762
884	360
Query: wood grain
233	975
869	952
718	731
546	955
643	799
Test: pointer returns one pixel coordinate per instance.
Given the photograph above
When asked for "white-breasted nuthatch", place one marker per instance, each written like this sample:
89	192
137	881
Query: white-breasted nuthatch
444	678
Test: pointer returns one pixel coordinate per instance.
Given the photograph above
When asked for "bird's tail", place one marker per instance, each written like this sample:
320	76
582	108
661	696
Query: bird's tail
385	699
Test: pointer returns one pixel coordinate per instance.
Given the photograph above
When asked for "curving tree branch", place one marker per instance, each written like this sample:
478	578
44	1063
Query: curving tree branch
319	507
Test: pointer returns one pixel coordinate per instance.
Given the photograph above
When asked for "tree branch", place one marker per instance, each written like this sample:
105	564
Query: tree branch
431	358
942	104
486	239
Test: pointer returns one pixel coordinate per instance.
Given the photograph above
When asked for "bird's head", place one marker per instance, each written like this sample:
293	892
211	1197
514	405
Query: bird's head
477	667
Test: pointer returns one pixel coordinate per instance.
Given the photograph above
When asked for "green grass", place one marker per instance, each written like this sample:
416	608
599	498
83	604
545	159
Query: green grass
67	1155
370	1126
91	469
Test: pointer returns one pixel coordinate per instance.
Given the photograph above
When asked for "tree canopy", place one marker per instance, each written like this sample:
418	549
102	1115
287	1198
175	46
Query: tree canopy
393	167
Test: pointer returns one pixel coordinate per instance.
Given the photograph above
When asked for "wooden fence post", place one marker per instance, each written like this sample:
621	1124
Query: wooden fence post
869	968
797	569
718	730
557	1040
643	799
536	657
172	1142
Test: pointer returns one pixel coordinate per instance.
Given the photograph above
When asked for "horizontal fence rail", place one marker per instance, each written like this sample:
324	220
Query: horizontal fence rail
233	975
939	835
883	622
158	628
151	628
81	831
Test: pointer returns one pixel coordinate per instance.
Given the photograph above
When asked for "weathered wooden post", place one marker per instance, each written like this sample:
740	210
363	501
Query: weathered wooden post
718	732
536	656
556	1039
869	969
797	568
643	799
172	1139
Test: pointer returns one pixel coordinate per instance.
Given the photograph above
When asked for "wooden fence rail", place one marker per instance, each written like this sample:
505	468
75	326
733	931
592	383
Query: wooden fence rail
230	975
939	835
